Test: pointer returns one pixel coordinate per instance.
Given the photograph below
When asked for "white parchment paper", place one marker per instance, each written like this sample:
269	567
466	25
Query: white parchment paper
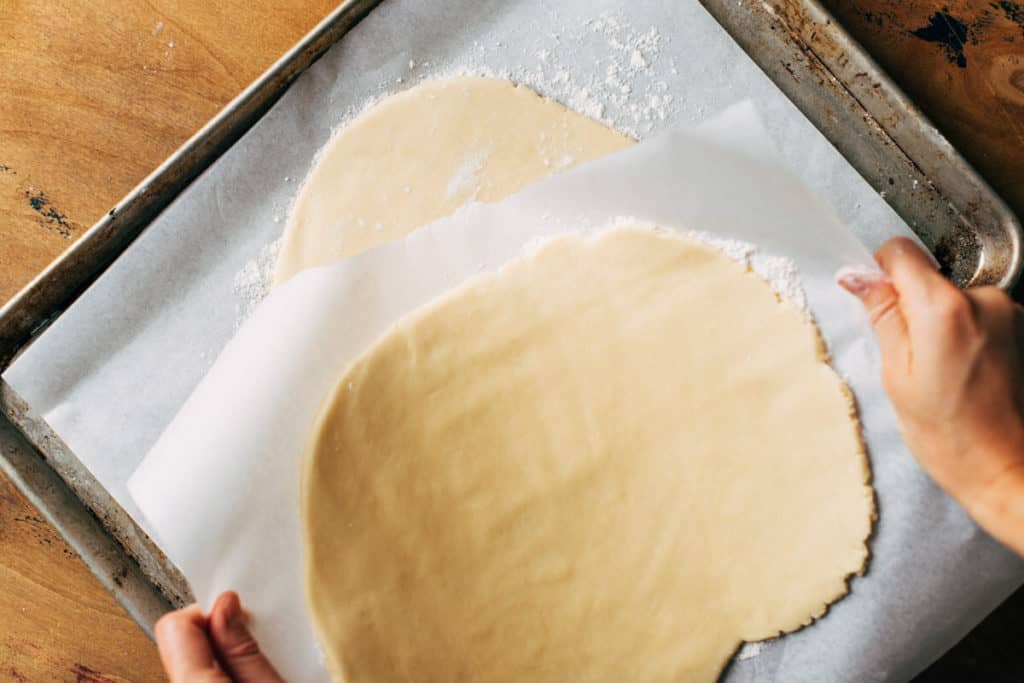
111	374
221	486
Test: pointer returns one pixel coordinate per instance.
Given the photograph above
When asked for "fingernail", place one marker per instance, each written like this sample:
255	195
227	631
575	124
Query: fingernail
859	280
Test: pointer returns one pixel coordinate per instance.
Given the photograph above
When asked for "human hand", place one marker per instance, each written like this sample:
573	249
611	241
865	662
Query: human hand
952	365
217	649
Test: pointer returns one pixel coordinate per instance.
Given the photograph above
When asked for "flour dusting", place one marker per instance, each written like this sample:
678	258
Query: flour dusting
749	651
626	91
251	284
781	273
466	179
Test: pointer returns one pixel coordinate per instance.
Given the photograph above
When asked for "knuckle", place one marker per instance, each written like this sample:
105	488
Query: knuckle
247	648
984	296
893	381
883	310
953	308
994	300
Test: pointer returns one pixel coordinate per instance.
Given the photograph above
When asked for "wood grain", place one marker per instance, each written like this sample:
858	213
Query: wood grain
96	94
56	622
962	62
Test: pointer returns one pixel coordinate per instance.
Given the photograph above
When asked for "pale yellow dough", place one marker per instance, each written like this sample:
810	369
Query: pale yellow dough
420	155
613	460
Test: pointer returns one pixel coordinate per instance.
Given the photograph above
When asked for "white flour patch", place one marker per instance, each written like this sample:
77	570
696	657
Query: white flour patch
784	277
749	651
626	91
466	179
781	273
252	283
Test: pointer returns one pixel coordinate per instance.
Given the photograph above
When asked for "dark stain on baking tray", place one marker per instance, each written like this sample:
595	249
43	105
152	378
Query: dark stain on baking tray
949	32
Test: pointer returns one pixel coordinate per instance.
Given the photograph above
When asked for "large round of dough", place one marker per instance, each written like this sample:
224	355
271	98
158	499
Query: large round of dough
420	155
613	460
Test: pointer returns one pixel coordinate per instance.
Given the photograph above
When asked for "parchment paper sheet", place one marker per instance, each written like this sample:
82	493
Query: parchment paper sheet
111	374
296	346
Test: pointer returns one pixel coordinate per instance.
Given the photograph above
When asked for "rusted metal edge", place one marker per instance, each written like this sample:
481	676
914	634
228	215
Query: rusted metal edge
43	300
106	558
865	115
119	525
119	553
56	481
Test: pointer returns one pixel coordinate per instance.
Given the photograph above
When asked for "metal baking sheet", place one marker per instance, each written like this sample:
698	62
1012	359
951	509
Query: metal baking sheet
797	44
837	85
122	556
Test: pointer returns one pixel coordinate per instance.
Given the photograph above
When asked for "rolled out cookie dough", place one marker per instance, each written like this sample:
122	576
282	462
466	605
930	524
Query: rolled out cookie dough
613	460
420	155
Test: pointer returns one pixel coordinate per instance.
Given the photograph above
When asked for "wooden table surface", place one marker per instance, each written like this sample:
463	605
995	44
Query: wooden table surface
96	94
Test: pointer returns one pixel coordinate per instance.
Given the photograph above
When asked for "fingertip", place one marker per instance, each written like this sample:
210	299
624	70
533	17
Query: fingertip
163	626
226	615
904	250
228	626
236	647
182	642
226	605
915	277
172	623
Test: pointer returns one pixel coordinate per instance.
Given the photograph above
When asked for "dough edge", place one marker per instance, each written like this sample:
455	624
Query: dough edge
290	261
529	251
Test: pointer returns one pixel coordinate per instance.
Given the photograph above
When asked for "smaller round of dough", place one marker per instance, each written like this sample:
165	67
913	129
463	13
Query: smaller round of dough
613	460
419	155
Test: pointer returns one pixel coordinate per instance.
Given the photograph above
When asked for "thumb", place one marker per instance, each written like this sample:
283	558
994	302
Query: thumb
183	641
882	303
236	649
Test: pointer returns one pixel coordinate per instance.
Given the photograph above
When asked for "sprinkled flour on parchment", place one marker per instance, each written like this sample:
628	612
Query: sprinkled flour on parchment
251	284
781	273
626	90
623	90
750	650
